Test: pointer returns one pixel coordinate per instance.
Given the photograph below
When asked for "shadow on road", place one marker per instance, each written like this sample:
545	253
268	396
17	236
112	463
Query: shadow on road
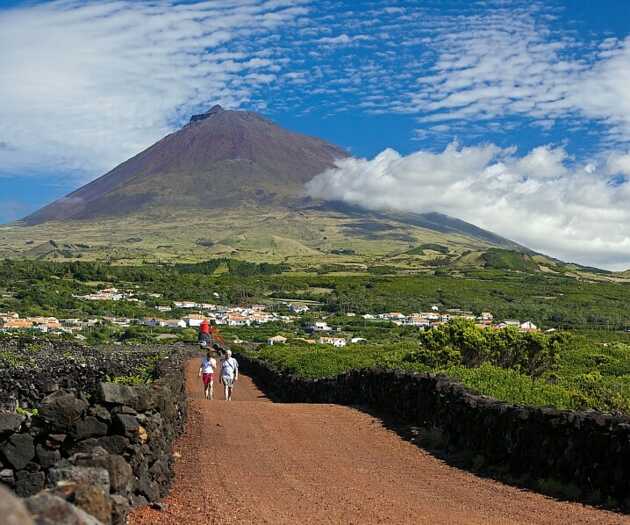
433	442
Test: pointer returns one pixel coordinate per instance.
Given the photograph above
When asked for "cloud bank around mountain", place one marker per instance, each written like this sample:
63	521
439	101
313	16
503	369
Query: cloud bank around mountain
540	199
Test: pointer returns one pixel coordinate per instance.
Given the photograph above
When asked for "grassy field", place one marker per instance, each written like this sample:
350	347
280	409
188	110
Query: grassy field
589	373
256	234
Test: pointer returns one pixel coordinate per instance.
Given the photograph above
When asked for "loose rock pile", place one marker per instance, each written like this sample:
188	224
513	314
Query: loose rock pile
93	453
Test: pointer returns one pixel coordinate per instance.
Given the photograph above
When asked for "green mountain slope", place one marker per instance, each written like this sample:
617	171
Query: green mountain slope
229	183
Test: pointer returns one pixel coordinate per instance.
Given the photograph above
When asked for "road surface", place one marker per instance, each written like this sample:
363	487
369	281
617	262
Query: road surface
254	461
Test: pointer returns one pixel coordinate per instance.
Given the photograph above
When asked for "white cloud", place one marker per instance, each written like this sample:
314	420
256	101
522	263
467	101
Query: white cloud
508	62
84	86
342	39
572	212
603	90
619	163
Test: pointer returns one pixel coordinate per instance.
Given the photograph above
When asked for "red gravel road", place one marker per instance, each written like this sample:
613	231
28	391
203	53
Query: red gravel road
253	461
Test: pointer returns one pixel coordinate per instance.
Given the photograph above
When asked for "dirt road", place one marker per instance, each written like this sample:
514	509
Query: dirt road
253	461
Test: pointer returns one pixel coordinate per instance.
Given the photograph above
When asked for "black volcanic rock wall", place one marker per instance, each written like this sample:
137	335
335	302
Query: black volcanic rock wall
588	450
99	449
30	368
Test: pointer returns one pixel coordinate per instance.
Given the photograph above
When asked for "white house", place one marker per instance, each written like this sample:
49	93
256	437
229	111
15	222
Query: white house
194	320
528	326
276	340
320	326
173	323
261	317
185	304
121	321
238	320
163	308
335	341
298	308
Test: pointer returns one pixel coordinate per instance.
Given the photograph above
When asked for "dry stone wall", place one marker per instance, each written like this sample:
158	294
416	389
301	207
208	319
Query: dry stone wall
587	450
30	368
96	450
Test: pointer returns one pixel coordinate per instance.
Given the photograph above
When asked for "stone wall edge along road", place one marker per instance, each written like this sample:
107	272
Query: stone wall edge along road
586	451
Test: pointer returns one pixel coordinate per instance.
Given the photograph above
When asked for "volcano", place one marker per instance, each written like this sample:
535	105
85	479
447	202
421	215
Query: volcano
220	159
229	183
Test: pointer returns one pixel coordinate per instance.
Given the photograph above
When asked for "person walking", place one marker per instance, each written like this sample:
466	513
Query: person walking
206	372
205	337
229	374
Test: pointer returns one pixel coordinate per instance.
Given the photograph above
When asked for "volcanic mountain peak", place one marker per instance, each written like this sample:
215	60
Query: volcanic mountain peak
221	158
240	178
203	116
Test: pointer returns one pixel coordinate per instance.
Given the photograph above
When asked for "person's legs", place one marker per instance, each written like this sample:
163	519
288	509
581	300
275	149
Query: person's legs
228	383
207	385
211	389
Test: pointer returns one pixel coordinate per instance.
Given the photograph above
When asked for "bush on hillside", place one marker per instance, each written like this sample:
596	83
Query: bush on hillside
529	353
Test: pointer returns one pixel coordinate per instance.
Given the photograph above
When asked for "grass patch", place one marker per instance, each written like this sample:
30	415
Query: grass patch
317	361
571	384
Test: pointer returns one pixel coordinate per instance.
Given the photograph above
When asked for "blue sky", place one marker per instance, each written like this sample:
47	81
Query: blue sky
514	115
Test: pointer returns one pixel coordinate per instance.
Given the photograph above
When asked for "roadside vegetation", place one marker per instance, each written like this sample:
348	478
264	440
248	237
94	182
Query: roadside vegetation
550	300
585	364
562	370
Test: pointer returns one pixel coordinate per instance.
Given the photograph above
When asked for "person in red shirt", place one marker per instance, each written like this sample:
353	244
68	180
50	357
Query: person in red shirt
205	333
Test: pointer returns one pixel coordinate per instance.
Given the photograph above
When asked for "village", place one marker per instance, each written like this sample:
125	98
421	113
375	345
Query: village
190	314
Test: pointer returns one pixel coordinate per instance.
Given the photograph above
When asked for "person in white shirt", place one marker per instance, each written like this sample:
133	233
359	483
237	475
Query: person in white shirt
229	374
206	372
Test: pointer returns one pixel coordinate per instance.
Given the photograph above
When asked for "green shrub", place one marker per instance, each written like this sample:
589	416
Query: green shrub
129	380
512	386
531	353
442	357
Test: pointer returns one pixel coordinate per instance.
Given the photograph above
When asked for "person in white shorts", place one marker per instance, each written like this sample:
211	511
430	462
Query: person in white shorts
206	372
229	374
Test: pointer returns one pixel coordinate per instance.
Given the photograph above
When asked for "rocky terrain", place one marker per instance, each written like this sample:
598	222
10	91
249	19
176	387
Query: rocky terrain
85	444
